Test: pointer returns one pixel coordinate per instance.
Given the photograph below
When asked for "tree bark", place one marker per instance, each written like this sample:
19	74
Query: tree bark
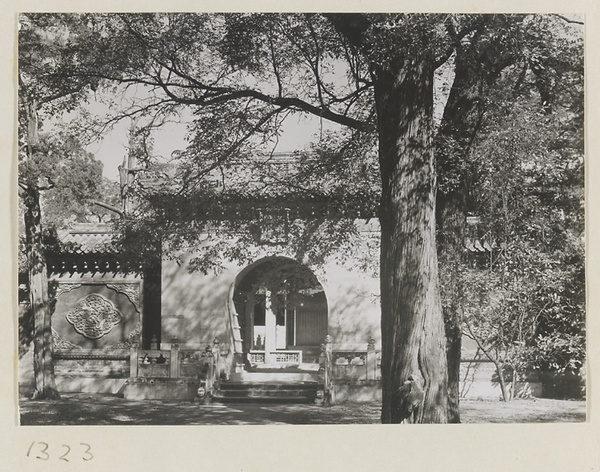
413	341
453	329
43	365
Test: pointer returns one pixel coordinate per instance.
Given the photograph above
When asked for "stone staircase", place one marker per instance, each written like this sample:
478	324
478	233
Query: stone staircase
295	385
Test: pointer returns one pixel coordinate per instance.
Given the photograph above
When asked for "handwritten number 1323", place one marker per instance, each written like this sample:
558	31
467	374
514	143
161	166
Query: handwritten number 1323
41	451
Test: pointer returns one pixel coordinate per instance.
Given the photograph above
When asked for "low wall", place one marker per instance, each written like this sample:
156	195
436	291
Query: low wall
78	384
356	378
161	389
357	391
478	382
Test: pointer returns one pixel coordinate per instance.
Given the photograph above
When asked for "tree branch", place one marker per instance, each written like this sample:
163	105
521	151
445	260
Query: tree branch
564	18
108	207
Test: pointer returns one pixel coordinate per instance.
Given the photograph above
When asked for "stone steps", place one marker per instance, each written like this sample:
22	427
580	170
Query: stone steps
291	385
281	392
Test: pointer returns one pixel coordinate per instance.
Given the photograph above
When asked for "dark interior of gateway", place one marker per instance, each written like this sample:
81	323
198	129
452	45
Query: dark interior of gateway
281	305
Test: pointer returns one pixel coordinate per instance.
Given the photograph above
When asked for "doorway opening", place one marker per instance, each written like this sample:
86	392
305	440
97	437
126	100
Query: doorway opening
282	312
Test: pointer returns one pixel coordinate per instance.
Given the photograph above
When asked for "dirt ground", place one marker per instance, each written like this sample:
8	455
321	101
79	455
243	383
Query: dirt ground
94	409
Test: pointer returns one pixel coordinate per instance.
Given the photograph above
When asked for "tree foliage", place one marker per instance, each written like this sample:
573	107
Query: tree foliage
505	55
525	305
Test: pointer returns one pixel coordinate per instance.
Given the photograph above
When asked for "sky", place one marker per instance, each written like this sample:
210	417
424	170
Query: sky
297	133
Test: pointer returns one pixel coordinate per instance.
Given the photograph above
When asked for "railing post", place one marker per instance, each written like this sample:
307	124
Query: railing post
327	356
210	373
217	363
371	360
174	361
133	360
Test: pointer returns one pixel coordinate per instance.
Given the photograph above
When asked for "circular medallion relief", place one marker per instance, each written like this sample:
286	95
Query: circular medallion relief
94	316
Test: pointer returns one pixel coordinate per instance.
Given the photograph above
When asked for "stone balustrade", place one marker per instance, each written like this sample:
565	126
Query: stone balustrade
174	363
350	374
278	357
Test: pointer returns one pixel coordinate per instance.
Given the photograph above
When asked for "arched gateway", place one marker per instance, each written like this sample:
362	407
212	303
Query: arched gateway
281	311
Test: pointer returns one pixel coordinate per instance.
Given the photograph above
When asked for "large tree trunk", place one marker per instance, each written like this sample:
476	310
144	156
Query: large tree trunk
43	365
413	340
453	328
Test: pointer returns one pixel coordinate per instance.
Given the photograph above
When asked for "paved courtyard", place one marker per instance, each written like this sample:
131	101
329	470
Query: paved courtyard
94	409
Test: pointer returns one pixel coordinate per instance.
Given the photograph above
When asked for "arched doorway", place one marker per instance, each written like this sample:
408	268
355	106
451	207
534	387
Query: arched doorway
281	308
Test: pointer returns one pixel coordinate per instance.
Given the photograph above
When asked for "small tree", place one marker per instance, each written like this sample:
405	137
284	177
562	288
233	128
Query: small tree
501	316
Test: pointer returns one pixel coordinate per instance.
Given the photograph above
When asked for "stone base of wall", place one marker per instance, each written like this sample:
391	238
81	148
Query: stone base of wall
161	389
357	391
478	382
370	391
78	384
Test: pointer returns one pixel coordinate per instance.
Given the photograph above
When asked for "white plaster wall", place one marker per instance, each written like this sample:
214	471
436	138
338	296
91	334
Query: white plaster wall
194	305
354	308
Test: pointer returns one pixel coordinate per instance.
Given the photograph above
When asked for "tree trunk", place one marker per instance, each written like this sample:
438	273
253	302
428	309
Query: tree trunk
413	339
43	365
453	329
502	381
513	384
451	219
460	123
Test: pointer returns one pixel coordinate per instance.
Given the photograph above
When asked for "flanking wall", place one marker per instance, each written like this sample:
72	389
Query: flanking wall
195	305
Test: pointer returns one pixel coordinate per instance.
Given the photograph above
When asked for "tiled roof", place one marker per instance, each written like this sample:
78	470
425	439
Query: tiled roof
98	238
88	238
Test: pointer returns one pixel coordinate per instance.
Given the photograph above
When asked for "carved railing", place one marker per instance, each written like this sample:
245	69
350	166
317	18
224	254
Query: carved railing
354	365
153	363
278	357
134	362
357	364
257	357
175	363
286	357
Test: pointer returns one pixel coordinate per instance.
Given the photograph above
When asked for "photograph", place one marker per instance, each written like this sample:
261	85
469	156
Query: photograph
301	218
289	219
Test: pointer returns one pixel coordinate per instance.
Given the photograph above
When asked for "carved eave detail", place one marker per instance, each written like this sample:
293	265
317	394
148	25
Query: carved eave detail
65	287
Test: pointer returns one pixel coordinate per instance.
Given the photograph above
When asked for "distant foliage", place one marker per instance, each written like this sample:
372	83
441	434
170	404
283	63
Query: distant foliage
525	303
